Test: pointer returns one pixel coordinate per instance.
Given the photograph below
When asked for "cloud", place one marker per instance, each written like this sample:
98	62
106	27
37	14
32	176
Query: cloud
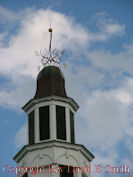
107	110
18	92
104	121
124	97
102	113
21	137
114	65
109	25
2	36
7	15
107	28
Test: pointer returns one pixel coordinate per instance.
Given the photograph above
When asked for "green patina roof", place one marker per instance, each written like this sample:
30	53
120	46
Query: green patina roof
48	70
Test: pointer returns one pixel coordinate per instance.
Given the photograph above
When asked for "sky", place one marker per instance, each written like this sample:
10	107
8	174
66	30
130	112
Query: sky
98	40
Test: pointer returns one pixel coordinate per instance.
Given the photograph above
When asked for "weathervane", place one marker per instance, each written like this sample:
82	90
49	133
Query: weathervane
50	57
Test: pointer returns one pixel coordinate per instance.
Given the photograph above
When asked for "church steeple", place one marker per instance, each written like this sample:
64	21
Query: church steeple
51	114
51	130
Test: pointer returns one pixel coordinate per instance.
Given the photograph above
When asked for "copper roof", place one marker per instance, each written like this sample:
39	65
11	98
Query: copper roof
50	81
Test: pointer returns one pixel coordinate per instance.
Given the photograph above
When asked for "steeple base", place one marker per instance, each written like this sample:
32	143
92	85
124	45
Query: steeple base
43	155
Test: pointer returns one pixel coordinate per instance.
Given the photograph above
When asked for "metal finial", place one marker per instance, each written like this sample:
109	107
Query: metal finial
50	57
50	30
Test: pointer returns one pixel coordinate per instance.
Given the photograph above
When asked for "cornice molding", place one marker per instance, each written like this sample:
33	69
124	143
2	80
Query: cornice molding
33	102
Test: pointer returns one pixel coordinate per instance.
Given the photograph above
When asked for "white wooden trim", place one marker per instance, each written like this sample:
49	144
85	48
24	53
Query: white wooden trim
52	122
36	120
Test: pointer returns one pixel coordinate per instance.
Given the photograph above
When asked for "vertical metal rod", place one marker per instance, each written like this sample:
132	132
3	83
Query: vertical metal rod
50	43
